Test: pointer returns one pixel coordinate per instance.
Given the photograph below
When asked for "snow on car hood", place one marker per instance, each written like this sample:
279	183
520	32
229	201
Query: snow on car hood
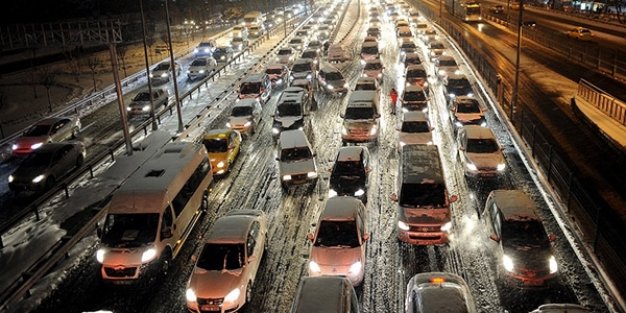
239	120
465	117
482	160
335	256
297	167
214	284
287	121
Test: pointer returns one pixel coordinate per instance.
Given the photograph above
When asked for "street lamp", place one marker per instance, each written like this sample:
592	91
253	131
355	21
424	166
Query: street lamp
517	59
173	69
145	54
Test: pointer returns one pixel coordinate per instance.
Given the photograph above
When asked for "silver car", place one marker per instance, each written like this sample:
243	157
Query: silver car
52	129
162	72
201	67
141	102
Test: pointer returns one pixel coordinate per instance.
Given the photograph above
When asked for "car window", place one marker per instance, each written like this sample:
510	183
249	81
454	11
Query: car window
168	217
250	243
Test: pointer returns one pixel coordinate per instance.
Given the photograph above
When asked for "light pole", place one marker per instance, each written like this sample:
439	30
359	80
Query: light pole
145	54
285	17
120	99
517	59
440	10
173	69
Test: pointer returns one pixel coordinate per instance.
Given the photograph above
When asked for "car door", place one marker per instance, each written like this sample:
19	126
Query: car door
60	130
233	147
59	165
254	246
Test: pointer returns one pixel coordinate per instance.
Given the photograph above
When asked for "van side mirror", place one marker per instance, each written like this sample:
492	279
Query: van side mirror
310	237
393	197
366	237
494	237
454	198
166	233
552	237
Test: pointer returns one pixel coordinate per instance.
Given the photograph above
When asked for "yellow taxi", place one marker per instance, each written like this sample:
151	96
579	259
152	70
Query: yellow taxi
223	146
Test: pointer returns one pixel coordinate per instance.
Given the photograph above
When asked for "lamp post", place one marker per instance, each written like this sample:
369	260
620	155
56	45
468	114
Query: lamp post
517	59
285	17
173	69
145	54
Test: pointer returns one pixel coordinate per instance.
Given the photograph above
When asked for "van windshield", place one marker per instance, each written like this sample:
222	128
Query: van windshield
130	230
250	88
217	257
481	146
295	154
417	195
337	234
216	145
360	113
289	109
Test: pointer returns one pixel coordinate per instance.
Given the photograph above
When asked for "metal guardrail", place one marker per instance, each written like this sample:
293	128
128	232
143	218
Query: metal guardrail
56	252
611	106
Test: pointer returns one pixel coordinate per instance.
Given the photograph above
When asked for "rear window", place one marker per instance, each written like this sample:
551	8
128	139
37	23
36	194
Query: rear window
416	195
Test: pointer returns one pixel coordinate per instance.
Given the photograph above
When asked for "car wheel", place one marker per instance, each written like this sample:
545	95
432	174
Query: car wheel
50	182
165	263
80	160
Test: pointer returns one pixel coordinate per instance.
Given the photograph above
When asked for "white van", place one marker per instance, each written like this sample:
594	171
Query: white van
296	160
151	215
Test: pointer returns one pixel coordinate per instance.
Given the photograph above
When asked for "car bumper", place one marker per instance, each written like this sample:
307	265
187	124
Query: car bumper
26	186
423	238
531	281
484	174
131	275
222	308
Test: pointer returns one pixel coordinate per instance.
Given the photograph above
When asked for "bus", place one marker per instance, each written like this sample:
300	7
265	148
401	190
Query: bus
468	11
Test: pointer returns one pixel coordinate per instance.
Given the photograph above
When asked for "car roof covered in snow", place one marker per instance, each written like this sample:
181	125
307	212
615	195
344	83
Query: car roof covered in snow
322	294
515	205
441	292
478	132
341	208
358	96
421	164
230	229
292	139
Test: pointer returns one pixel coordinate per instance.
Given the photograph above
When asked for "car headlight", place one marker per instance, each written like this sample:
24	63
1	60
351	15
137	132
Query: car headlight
314	267
355	267
14	147
309	76
201	71
311	175
441	72
286	177
228	125
148	255
451	95
190	295
164	75
501	167
206	50
446	227
553	266
471	166
223	57
275	131
220	164
195	50
408	84
330	87
188	71
362	62
39	178
332	193
279	81
11	178
345	85
36	146
403	226
470	94
151	75
359	193
483	124
146	108
233	295
379	75
373	131
247	124
402	144
402	52
344	131
128	109
100	255
432	53
425	109
458	124
507	262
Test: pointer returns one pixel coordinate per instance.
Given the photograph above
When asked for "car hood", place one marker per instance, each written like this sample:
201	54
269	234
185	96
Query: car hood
29	141
198	68
297	167
28	172
298	75
466	117
216	157
485	159
435	216
214	284
125	257
335	255
239	119
416	138
528	256
287	121
359	124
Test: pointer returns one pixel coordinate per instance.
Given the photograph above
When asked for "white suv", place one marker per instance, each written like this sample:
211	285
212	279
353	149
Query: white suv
479	152
296	160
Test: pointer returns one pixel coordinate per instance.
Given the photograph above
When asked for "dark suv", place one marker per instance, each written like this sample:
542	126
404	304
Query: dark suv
519	242
349	176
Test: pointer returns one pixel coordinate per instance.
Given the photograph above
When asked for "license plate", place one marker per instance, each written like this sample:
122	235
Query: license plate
210	307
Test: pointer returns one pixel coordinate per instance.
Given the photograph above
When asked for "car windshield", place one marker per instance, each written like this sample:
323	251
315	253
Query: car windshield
162	67
370	50
142	96
130	230
337	234
481	145
334	76
468	107
315	44
348	168
416	73
417	195
37	130
373	66
408	45
284	51
458	82
274	71
414	96
241	111
415	127
301	67
359	113
289	109
295	154
309	54
450	62
237	39
37	159
365	86
436	45
215	145
525	233
217	257
296	40
250	88
220	51
199	62
205	44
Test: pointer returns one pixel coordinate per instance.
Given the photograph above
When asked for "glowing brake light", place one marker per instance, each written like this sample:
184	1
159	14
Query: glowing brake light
437	280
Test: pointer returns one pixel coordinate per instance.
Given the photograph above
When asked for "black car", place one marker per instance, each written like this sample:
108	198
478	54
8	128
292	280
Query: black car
457	85
349	176
223	54
45	166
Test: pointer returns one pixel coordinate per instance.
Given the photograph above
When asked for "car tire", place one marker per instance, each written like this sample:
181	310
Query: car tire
80	160
50	182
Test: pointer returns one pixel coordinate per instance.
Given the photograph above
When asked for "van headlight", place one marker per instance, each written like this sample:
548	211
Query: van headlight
355	267
359	192
471	166
146	108
190	295
403	226
148	255
314	267
373	131
311	175
507	262
553	266
100	255
247	124
233	295
14	147
286	177
501	167
228	125
39	178
164	75
36	146
332	193
446	227
11	178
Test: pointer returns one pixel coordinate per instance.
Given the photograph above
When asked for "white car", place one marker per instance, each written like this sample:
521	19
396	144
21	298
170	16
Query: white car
339	240
296	43
141	102
373	68
245	116
226	269
285	55
296	160
436	49
201	67
479	152
466	111
446	65
414	129
163	72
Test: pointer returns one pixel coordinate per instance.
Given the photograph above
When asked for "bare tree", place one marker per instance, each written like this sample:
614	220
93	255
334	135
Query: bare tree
93	63
150	41
32	71
122	53
47	79
73	56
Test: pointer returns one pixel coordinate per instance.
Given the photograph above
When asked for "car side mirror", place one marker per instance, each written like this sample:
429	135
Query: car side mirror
310	237
366	237
461	148
393	197
166	233
494	237
341	115
314	154
251	258
454	198
98	230
368	169
552	237
376	115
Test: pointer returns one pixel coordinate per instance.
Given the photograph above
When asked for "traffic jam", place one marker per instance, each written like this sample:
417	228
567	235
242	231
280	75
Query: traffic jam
366	171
